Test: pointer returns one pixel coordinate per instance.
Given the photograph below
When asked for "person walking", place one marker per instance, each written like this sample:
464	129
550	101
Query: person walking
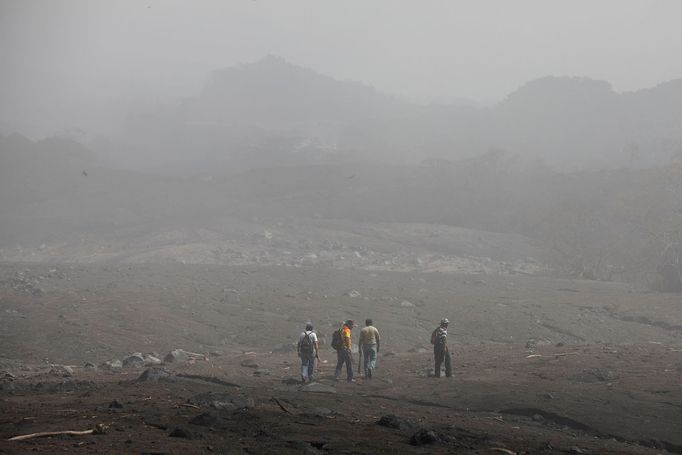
441	353
369	347
308	351
344	350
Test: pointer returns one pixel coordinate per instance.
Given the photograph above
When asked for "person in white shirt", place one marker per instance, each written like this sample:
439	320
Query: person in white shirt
308	348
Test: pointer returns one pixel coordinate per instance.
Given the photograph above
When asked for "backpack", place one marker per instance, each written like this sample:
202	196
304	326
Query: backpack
337	340
435	339
307	344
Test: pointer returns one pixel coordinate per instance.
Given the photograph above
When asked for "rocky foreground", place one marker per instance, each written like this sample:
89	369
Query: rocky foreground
565	399
201	359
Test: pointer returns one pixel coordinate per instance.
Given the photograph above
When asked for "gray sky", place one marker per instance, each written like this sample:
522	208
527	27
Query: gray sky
83	54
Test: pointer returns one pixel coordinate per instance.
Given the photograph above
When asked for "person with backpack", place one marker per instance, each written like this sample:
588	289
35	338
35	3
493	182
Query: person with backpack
308	351
369	347
341	341
441	353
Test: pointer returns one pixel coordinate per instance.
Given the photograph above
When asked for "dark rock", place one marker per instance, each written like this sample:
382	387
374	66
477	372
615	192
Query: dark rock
180	432
115	405
222	401
209	419
134	361
176	356
90	366
154	374
249	363
291	381
7	386
424	437
393	421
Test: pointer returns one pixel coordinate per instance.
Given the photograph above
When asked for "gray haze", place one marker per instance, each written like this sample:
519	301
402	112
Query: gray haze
88	63
185	184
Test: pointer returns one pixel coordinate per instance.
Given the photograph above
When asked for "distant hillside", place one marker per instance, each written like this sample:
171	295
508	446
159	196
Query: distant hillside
272	113
272	93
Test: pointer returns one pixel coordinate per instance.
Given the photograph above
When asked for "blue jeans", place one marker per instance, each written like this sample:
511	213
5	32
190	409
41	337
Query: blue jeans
307	366
370	353
344	356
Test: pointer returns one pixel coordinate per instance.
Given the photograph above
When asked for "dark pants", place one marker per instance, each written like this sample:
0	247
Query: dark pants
344	356
441	355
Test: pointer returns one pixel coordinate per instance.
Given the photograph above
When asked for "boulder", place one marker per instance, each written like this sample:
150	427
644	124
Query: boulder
423	437
393	421
112	365
176	356
150	360
180	432
134	361
63	371
222	401
154	374
406	304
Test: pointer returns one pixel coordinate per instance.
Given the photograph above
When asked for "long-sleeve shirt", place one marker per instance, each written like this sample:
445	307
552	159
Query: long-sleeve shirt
345	335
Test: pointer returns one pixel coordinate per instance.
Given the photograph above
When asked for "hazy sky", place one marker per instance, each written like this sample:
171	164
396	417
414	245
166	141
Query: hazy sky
61	55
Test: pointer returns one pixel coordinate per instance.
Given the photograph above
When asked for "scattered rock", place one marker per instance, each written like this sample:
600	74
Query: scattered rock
209	419
318	387
222	401
353	294
176	356
406	304
154	374
291	381
90	366
249	363
112	365
261	372
115	405
424	437
217	353
393	421
136	360
180	432
151	360
6	386
63	371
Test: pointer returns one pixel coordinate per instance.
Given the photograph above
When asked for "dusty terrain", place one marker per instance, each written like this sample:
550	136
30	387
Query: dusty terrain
542	365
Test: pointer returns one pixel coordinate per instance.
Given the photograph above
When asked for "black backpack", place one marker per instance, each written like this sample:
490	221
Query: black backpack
307	344
337	340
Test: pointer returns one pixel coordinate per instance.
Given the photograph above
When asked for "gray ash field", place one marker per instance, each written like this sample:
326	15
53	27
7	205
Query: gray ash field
542	365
